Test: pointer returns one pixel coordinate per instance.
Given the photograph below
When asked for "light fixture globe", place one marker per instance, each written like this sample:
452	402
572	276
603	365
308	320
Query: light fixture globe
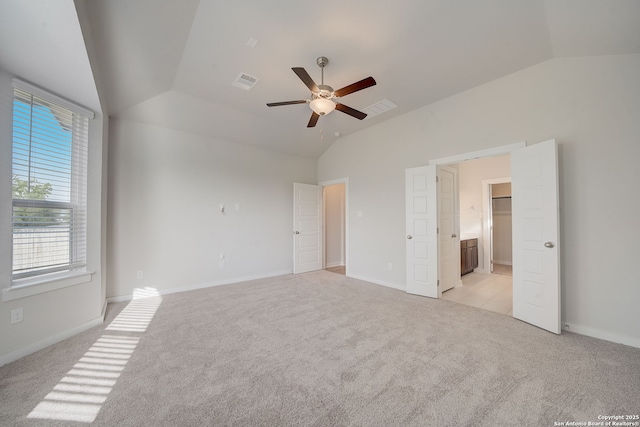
322	106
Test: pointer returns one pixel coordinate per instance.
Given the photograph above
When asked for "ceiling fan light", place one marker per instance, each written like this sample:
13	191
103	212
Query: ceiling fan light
322	106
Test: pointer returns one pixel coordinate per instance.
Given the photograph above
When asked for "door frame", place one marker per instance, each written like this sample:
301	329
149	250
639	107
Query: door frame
323	184
475	155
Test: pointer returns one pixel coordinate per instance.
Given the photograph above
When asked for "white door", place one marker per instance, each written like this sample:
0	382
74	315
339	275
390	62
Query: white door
536	248
449	244
421	240
307	229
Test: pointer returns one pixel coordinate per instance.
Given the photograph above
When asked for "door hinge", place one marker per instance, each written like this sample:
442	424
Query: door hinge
438	230
438	282
437	178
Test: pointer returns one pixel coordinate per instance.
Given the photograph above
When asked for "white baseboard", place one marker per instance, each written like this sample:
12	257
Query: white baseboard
378	282
122	298
53	339
495	261
600	334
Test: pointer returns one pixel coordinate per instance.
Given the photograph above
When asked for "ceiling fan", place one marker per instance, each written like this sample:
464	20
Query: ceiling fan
323	98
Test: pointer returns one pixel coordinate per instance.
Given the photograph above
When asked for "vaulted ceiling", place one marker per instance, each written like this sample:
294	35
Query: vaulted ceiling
172	63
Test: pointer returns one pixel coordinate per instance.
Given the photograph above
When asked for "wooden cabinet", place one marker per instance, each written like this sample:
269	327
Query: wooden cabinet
468	256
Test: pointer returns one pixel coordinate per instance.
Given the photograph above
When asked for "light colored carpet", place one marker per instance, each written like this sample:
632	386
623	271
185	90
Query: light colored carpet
317	349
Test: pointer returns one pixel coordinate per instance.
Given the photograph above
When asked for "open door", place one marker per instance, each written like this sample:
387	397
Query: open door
421	240
307	228
448	241
536	246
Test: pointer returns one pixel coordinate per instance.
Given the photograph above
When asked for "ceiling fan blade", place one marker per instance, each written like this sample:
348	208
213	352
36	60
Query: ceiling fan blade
277	104
350	111
354	87
313	120
306	78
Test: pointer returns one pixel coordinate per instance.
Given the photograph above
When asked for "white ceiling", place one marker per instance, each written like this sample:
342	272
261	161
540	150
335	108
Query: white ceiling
171	62
37	32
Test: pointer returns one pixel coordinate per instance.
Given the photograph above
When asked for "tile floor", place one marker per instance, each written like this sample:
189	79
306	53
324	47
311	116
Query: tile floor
487	291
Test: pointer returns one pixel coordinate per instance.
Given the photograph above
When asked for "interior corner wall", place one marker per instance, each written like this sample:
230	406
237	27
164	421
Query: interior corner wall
166	188
590	105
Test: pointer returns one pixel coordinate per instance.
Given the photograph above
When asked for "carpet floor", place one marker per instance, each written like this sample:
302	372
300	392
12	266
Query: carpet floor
316	349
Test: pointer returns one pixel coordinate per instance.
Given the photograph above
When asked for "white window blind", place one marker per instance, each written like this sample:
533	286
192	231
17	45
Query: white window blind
49	182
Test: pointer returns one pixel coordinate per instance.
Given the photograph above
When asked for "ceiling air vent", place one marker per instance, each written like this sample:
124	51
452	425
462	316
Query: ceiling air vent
379	108
245	81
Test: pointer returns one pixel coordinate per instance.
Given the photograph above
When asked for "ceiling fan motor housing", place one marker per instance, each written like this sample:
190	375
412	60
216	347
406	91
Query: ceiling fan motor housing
324	91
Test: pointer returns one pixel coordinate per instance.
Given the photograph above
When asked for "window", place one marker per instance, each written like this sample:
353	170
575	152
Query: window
49	183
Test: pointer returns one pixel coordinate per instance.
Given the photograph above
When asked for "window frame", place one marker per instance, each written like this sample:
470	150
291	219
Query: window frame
73	272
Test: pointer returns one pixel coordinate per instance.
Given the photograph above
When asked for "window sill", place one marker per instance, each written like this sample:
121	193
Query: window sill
33	286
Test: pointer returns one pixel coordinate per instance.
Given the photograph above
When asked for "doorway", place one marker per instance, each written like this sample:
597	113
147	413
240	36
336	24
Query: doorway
320	221
483	187
536	246
334	202
501	229
498	189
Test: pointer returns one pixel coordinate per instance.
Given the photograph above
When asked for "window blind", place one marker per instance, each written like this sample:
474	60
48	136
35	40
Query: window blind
49	183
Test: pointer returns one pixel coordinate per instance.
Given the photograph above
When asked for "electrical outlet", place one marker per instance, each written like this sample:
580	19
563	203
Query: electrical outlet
16	315
222	264
140	274
389	266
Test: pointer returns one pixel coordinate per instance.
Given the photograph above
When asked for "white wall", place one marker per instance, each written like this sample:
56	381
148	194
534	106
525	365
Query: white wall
334	211
165	188
591	106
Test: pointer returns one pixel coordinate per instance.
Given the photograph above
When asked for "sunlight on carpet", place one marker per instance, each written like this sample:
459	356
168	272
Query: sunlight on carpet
80	394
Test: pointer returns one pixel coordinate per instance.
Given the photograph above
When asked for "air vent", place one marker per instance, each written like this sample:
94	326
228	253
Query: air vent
245	81
379	108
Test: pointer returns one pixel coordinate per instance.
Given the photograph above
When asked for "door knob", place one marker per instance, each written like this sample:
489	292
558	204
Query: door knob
297	232
549	245
409	237
453	236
